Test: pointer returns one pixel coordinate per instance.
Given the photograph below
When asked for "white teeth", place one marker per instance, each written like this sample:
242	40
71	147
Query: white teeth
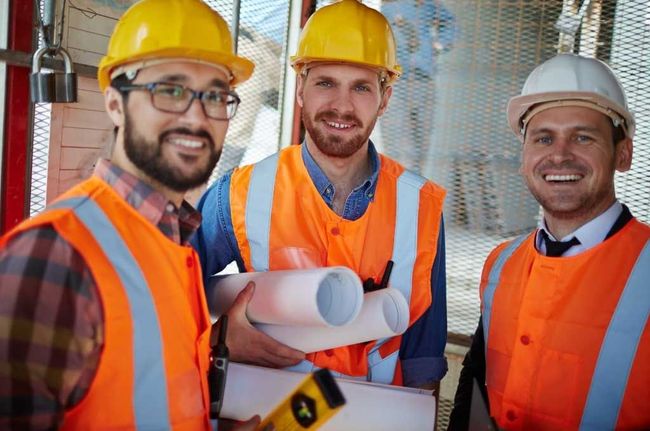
562	178
187	143
338	125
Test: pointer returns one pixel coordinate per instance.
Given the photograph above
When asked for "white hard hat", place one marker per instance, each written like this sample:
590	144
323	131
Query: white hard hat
571	80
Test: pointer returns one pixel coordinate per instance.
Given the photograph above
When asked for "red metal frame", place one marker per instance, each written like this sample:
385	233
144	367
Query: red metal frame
14	202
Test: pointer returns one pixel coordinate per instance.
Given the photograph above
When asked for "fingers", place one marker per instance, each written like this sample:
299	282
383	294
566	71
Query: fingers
249	345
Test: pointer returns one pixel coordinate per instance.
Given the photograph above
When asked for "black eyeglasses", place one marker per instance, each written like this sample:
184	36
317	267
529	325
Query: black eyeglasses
218	104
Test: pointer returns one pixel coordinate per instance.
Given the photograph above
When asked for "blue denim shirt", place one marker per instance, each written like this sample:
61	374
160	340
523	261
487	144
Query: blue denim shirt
423	344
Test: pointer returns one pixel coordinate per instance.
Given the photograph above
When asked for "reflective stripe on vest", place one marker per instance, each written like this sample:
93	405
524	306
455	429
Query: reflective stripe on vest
150	403
258	228
617	353
493	281
258	211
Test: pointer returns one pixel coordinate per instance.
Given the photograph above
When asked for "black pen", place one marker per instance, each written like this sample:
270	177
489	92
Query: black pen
370	286
218	369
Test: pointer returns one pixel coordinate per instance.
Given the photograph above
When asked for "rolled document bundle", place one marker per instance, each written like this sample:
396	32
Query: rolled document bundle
384	313
329	296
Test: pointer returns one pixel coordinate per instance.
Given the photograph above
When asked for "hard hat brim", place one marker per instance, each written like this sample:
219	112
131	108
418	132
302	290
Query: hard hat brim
299	62
518	106
240	68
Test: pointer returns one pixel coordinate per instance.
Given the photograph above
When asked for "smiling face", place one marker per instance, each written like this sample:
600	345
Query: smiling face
177	150
341	104
569	160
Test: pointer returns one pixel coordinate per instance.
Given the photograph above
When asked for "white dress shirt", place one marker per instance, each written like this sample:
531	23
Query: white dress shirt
589	234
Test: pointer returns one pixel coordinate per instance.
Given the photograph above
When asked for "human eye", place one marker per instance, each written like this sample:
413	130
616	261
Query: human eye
215	97
583	139
324	83
362	88
170	91
541	139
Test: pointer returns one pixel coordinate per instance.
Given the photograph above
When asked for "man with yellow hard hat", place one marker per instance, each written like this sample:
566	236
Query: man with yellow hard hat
335	201
103	318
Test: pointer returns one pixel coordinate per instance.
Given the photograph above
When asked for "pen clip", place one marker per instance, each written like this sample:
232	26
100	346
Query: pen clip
370	286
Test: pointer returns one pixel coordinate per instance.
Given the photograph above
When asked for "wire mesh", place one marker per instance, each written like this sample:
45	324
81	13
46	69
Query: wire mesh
254	132
462	61
40	150
40	154
446	118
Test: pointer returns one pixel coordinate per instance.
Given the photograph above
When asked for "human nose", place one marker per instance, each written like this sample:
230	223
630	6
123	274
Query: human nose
342	102
561	150
195	112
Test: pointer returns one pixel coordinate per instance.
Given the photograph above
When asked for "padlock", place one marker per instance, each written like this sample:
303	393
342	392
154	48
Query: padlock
52	87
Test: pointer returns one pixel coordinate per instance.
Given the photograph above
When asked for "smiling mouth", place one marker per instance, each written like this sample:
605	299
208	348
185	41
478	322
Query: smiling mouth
560	179
338	126
190	144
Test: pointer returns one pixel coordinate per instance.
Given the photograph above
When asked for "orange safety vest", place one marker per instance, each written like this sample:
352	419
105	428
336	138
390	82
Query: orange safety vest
567	339
152	373
280	221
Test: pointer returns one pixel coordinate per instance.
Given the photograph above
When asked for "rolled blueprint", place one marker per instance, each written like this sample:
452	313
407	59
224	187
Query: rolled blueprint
255	390
384	313
329	296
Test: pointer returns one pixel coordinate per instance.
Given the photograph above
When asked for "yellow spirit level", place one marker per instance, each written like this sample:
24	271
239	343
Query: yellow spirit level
313	403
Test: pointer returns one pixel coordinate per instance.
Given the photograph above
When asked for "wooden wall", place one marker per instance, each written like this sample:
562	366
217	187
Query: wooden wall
81	132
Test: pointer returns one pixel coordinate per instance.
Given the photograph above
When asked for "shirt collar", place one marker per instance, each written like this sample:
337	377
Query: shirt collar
148	202
589	234
323	184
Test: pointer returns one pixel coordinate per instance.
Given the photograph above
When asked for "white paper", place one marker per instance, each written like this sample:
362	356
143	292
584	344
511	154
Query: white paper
384	313
329	296
255	390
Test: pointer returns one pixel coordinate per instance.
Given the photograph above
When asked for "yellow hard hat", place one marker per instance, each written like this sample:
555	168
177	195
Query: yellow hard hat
348	31
172	29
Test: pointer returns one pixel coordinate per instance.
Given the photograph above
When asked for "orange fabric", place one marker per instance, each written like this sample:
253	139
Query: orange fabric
174	279
306	232
548	321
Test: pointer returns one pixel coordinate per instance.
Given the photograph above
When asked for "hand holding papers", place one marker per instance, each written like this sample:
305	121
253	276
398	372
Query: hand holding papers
315	309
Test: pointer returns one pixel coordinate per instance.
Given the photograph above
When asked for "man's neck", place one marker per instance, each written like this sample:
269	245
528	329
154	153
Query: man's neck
560	227
345	174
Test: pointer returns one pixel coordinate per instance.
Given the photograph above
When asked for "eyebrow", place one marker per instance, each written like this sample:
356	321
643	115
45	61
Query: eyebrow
179	78
572	128
361	81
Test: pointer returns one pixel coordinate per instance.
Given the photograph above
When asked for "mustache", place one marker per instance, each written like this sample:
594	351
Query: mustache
200	133
332	116
565	165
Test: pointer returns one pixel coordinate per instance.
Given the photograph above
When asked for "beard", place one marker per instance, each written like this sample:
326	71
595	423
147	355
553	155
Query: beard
148	156
332	145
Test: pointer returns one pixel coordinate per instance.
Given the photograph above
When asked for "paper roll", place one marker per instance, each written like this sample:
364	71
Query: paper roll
384	313
329	296
255	390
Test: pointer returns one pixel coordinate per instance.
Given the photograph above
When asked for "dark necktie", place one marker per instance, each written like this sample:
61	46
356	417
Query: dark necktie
557	248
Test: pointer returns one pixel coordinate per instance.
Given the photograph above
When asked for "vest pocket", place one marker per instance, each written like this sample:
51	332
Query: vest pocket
554	389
